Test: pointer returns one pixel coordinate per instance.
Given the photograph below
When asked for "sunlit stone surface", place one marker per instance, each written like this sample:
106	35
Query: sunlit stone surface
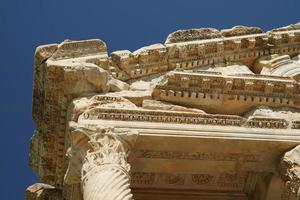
208	115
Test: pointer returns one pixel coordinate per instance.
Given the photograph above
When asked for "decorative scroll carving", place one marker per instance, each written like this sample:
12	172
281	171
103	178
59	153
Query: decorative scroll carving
216	156
211	70
106	149
232	180
159	116
98	156
143	178
202	179
290	170
94	146
105	169
262	122
113	111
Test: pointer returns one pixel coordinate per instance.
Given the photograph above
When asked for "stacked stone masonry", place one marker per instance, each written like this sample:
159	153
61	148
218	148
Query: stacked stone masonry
238	89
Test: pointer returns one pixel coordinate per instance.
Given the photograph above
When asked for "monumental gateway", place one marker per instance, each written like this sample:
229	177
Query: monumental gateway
208	115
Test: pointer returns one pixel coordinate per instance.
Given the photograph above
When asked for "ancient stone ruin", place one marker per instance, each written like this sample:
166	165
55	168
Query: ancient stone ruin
209	114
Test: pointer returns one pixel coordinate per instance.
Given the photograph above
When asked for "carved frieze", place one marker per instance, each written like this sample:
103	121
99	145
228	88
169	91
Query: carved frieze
209	181
208	156
202	77
217	93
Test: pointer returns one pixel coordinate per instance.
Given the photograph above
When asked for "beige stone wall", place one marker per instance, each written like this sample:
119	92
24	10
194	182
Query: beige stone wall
238	84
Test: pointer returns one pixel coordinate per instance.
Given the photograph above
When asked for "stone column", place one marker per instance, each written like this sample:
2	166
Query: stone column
105	171
103	164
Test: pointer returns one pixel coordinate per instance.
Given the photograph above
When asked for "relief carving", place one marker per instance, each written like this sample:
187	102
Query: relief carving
202	179
232	180
217	156
241	77
96	147
290	170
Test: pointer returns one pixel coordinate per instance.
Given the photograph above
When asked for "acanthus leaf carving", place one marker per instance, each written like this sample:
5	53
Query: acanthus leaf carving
94	146
290	170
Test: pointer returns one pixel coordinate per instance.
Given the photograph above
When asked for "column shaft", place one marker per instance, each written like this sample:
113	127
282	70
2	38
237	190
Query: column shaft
107	182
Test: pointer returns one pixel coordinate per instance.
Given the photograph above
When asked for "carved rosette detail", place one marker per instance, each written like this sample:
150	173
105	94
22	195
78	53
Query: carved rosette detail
290	170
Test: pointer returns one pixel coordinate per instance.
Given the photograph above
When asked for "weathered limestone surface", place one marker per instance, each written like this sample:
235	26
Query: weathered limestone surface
40	191
279	66
210	114
290	170
100	164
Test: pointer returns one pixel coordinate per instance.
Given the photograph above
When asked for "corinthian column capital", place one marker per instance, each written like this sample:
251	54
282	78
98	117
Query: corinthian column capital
98	158
108	149
290	170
